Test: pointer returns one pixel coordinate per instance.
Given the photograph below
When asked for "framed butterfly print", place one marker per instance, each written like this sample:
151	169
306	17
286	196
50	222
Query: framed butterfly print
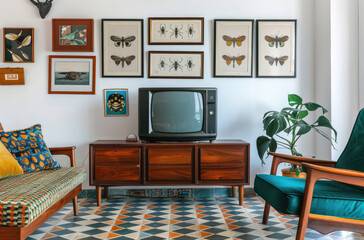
233	48
122	48
276	48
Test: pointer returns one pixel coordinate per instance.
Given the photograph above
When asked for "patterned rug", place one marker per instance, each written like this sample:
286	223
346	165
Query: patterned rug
179	219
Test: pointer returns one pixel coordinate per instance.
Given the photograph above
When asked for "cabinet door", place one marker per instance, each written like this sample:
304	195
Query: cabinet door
219	163
117	165
169	163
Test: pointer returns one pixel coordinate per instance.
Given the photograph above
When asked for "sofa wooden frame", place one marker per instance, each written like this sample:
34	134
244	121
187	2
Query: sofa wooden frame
318	169
21	233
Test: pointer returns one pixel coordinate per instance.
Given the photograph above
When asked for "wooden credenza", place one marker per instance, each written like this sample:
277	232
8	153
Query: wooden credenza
121	163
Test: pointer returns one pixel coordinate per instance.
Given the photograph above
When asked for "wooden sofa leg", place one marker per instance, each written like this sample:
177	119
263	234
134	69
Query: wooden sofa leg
266	213
75	206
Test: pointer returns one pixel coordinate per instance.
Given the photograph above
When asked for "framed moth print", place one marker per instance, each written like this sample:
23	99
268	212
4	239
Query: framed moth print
18	45
176	31
175	64
276	48
233	48
116	102
122	48
73	35
72	75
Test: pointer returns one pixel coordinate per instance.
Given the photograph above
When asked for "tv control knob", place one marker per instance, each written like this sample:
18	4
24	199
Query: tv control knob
212	113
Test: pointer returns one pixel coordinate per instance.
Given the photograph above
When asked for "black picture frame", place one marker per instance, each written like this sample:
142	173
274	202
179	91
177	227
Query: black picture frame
246	44
279	56
122	47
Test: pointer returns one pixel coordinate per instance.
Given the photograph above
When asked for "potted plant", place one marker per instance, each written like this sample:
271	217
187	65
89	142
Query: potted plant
284	128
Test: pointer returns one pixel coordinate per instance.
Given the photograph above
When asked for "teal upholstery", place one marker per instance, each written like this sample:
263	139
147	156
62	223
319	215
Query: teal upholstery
285	194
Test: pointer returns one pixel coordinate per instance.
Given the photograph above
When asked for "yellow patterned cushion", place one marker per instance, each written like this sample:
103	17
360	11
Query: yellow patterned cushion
8	165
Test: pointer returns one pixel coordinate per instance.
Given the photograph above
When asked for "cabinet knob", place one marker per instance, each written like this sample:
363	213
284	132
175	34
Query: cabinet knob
138	165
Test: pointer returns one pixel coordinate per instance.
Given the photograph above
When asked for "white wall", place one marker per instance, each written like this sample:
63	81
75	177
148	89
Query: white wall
79	120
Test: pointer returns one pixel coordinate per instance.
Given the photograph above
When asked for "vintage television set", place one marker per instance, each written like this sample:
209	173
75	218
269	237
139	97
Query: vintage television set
177	114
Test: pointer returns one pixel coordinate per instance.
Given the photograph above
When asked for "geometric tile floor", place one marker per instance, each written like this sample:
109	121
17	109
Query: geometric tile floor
177	219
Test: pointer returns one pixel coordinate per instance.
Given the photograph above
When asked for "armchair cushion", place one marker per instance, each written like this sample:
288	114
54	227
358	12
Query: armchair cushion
331	198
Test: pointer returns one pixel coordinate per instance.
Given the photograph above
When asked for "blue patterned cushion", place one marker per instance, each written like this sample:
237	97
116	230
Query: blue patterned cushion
29	149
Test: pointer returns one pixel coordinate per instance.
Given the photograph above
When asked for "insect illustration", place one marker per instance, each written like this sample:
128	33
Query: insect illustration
232	40
176	31
175	64
72	75
276	41
162	30
233	59
123	41
162	64
190	30
116	102
189	64
271	60
118	59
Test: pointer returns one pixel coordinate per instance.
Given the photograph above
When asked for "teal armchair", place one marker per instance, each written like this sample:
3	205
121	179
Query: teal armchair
330	199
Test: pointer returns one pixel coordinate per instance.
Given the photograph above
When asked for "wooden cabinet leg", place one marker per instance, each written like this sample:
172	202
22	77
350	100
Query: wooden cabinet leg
241	195
233	190
106	192
98	195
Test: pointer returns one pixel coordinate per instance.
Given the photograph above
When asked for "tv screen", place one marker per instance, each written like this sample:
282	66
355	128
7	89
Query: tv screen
177	112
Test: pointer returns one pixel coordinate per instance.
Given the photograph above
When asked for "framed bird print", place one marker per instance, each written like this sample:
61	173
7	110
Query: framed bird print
18	45
72	74
122	48
72	35
276	48
233	48
116	102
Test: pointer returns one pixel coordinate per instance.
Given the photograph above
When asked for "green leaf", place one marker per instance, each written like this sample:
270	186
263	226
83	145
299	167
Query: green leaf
78	42
274	122
263	144
314	106
303	114
70	36
294	99
322	121
302	125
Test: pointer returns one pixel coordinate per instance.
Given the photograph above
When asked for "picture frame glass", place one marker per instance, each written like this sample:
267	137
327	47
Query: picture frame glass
116	102
18	45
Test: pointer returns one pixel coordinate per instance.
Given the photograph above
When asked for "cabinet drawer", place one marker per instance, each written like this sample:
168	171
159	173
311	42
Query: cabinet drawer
170	173
170	155
222	155
217	172
116	156
117	173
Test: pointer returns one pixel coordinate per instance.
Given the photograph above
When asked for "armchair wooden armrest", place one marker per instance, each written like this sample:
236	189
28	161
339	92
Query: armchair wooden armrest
68	151
281	158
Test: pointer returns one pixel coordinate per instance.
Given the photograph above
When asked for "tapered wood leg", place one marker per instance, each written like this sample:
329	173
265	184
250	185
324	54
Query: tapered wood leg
98	195
75	206
233	190
241	195
266	213
106	192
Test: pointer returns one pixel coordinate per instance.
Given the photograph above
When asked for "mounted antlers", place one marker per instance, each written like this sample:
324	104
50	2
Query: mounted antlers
44	7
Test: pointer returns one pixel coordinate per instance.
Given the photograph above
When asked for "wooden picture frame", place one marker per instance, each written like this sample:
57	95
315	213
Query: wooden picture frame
12	76
164	64
176	31
18	45
72	74
116	102
72	35
122	47
233	47
276	48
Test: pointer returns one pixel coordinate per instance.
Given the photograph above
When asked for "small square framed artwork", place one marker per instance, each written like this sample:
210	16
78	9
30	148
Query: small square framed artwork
73	35
116	102
18	45
72	75
276	48
12	76
233	48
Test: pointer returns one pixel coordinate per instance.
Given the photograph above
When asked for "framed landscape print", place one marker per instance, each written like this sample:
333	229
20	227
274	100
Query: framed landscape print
116	102
72	75
73	35
276	48
18	45
233	48
177	31
175	64
122	48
